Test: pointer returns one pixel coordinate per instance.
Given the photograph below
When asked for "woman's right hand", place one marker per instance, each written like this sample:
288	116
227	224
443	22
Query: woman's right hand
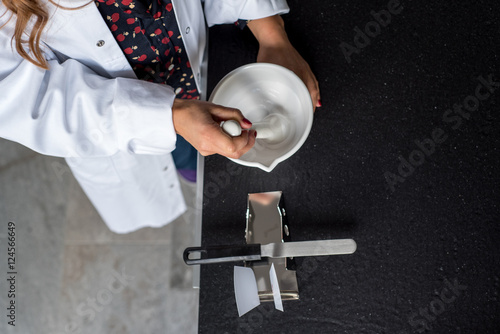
199	123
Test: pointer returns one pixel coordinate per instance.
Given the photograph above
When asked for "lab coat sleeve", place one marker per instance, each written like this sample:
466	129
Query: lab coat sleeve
229	11
70	111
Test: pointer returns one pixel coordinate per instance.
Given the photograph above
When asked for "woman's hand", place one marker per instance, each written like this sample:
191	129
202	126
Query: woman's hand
274	47
199	123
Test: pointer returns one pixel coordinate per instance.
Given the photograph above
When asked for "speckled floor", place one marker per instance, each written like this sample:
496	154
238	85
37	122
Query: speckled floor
73	274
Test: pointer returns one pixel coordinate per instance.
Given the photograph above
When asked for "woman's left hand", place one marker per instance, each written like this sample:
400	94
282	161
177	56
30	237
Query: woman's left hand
275	48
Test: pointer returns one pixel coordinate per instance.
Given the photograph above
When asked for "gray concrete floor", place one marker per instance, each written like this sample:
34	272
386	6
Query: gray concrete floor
73	274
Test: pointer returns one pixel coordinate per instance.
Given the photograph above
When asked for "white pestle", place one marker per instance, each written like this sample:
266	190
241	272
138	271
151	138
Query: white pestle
273	128
231	127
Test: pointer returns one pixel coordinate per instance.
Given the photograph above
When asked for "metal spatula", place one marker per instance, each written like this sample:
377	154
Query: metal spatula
255	252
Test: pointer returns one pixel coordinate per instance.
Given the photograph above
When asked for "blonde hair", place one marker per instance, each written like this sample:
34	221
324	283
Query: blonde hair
24	11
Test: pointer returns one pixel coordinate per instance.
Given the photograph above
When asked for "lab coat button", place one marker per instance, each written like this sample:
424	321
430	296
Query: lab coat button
187	30
100	43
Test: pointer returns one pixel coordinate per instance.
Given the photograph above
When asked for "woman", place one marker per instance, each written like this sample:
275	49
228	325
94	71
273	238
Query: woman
72	91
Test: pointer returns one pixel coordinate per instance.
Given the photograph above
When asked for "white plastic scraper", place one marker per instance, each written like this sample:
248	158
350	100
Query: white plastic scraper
245	290
278	304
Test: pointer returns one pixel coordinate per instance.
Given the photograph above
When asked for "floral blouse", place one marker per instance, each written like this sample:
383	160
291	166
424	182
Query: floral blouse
148	34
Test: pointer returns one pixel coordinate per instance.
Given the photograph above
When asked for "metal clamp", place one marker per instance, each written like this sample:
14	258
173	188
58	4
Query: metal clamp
267	223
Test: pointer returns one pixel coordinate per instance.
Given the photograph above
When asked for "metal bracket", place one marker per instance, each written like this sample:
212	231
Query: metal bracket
267	223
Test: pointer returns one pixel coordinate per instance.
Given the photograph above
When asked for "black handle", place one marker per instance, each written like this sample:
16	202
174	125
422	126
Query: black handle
225	253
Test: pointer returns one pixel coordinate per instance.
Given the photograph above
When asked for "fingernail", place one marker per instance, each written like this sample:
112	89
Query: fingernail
247	121
319	103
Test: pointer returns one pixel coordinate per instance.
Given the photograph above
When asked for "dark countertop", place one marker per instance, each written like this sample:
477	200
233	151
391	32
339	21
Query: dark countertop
428	249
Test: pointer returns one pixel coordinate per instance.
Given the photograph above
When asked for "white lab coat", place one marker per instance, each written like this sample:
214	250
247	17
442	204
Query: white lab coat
115	131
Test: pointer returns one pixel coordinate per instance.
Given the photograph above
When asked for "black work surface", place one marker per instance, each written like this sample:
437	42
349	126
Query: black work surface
428	249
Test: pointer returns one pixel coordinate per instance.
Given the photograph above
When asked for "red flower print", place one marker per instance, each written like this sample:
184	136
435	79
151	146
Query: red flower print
126	2
157	15
128	51
153	48
120	38
141	58
167	52
131	20
158	32
110	2
115	17
170	33
168	7
137	29
128	11
188	65
165	40
114	27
